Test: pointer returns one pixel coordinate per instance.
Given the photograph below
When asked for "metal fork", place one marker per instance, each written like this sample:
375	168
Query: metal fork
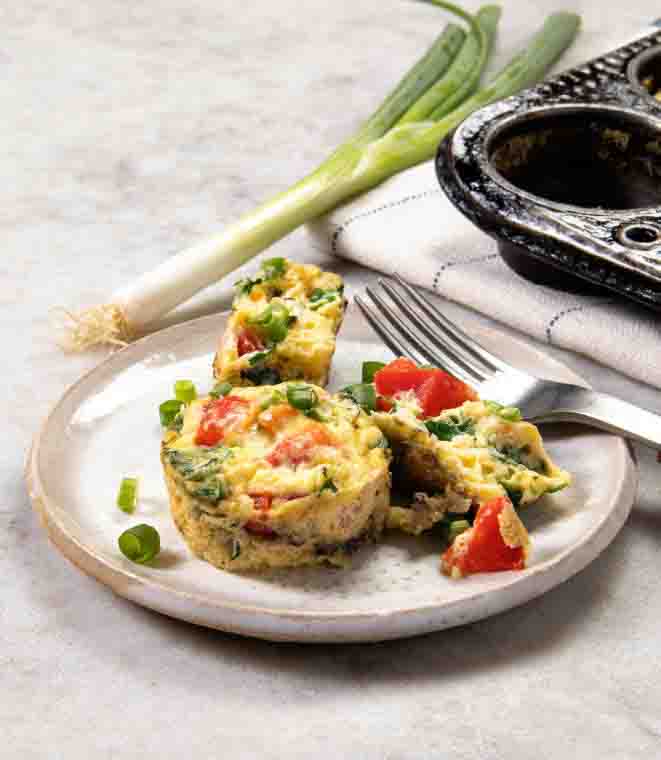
411	326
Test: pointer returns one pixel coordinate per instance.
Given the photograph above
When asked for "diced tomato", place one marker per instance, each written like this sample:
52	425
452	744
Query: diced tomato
435	389
259	528
442	391
273	418
383	404
400	375
298	449
220	416
248	341
262	501
484	550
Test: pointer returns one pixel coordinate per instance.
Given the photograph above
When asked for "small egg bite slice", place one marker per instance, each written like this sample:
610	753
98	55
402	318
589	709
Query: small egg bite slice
282	327
276	476
463	458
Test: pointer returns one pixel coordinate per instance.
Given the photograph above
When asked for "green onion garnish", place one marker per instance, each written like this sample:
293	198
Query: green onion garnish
275	398
362	394
273	322
184	390
168	410
274	268
511	414
370	369
302	397
127	496
220	389
140	544
456	528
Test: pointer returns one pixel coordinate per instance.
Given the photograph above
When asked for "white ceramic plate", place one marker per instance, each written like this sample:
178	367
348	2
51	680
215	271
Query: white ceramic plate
106	427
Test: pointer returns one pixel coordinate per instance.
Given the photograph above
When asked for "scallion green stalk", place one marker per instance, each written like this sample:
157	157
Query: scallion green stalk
462	77
376	152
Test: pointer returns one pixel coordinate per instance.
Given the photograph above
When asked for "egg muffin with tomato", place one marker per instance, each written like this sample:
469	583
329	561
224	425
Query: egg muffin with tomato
282	326
465	463
276	476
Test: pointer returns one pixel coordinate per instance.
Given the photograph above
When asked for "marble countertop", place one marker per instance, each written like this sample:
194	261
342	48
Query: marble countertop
128	131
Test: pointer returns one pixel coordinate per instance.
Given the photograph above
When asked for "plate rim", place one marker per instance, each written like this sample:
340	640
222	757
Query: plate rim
120	580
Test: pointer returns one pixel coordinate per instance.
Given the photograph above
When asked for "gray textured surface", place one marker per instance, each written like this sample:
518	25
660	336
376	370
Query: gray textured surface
127	132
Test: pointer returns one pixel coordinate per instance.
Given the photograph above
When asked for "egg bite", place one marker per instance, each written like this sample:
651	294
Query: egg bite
463	458
282	327
276	476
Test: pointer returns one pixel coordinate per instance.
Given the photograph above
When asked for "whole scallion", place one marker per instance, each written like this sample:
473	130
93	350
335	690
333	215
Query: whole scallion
388	142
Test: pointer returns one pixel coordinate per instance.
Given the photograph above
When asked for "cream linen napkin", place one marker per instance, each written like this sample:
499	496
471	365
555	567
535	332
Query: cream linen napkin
407	225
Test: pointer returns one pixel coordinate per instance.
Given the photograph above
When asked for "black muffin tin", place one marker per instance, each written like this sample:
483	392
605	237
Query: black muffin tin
567	175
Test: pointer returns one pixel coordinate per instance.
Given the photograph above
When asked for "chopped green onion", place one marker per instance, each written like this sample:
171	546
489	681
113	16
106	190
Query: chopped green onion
220	389
302	397
184	390
274	268
456	528
273	322
275	398
140	544
315	414
511	414
236	549
493	406
370	369
362	394
127	497
381	148
168	410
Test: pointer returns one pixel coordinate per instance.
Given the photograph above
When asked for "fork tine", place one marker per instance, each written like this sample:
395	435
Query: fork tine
447	361
419	319
384	333
454	332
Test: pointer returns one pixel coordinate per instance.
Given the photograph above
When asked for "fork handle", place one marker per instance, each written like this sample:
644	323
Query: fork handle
608	413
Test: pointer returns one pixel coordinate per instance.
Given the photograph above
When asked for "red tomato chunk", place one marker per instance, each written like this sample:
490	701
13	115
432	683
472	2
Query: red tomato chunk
485	550
262	501
299	448
435	389
248	341
220	416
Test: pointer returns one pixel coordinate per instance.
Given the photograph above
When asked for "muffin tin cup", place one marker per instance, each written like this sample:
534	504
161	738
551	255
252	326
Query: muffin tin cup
566	176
